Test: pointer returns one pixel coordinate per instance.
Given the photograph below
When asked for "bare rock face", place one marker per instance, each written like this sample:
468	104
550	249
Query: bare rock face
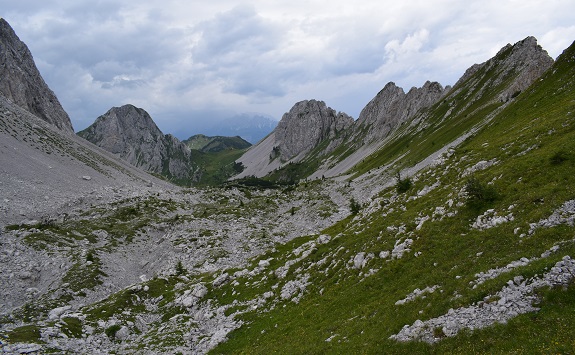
392	106
305	126
130	133
523	63
21	82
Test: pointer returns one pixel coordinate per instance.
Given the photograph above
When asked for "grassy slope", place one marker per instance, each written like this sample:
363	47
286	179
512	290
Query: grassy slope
215	144
216	167
533	139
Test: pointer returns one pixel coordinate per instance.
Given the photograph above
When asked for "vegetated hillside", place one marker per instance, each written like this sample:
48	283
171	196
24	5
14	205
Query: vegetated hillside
216	157
216	168
215	144
480	94
474	256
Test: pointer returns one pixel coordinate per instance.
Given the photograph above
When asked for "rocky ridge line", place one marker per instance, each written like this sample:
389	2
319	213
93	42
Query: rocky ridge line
392	106
512	70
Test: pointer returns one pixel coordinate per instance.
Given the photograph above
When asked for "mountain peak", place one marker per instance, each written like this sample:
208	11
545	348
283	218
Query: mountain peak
307	124
131	116
21	82
392	105
525	57
131	133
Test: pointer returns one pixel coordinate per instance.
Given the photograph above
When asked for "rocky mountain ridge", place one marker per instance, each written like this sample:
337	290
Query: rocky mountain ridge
392	106
511	70
131	133
526	58
21	82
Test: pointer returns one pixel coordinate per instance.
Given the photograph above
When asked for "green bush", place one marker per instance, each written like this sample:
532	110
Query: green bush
90	256
402	185
354	206
478	193
559	157
180	269
112	330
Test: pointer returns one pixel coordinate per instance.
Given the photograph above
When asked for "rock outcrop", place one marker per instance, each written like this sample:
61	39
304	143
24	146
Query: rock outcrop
521	63
305	126
392	106
308	124
130	133
21	82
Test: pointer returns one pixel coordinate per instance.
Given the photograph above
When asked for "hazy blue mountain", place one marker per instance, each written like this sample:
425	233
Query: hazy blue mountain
252	128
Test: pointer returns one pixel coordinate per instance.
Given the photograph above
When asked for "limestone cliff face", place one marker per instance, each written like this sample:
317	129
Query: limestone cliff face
21	82
131	133
392	106
515	66
305	126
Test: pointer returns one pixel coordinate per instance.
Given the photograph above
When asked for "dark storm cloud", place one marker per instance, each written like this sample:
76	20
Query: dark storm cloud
183	60
238	47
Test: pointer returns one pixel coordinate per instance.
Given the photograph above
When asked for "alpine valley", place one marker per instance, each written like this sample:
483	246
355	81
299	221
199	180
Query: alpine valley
441	220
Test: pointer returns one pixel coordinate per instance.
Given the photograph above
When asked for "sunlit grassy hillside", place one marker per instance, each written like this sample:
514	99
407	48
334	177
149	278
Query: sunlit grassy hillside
522	162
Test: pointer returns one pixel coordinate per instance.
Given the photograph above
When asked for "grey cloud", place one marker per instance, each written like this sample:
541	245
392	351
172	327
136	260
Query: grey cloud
104	36
238	32
237	48
123	82
196	56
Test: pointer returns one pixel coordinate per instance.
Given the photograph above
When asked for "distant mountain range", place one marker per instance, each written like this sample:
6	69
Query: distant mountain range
251	127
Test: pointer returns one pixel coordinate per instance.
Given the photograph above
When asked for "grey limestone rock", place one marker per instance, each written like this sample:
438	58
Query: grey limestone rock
21	82
130	133
220	280
525	61
123	333
517	297
392	106
305	126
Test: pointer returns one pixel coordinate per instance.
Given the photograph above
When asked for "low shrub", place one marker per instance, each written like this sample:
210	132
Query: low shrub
478	193
402	185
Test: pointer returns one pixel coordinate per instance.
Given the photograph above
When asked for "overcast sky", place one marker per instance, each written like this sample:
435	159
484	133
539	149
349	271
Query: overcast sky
191	62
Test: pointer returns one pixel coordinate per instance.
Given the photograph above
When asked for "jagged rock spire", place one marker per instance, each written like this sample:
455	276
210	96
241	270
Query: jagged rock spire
306	125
